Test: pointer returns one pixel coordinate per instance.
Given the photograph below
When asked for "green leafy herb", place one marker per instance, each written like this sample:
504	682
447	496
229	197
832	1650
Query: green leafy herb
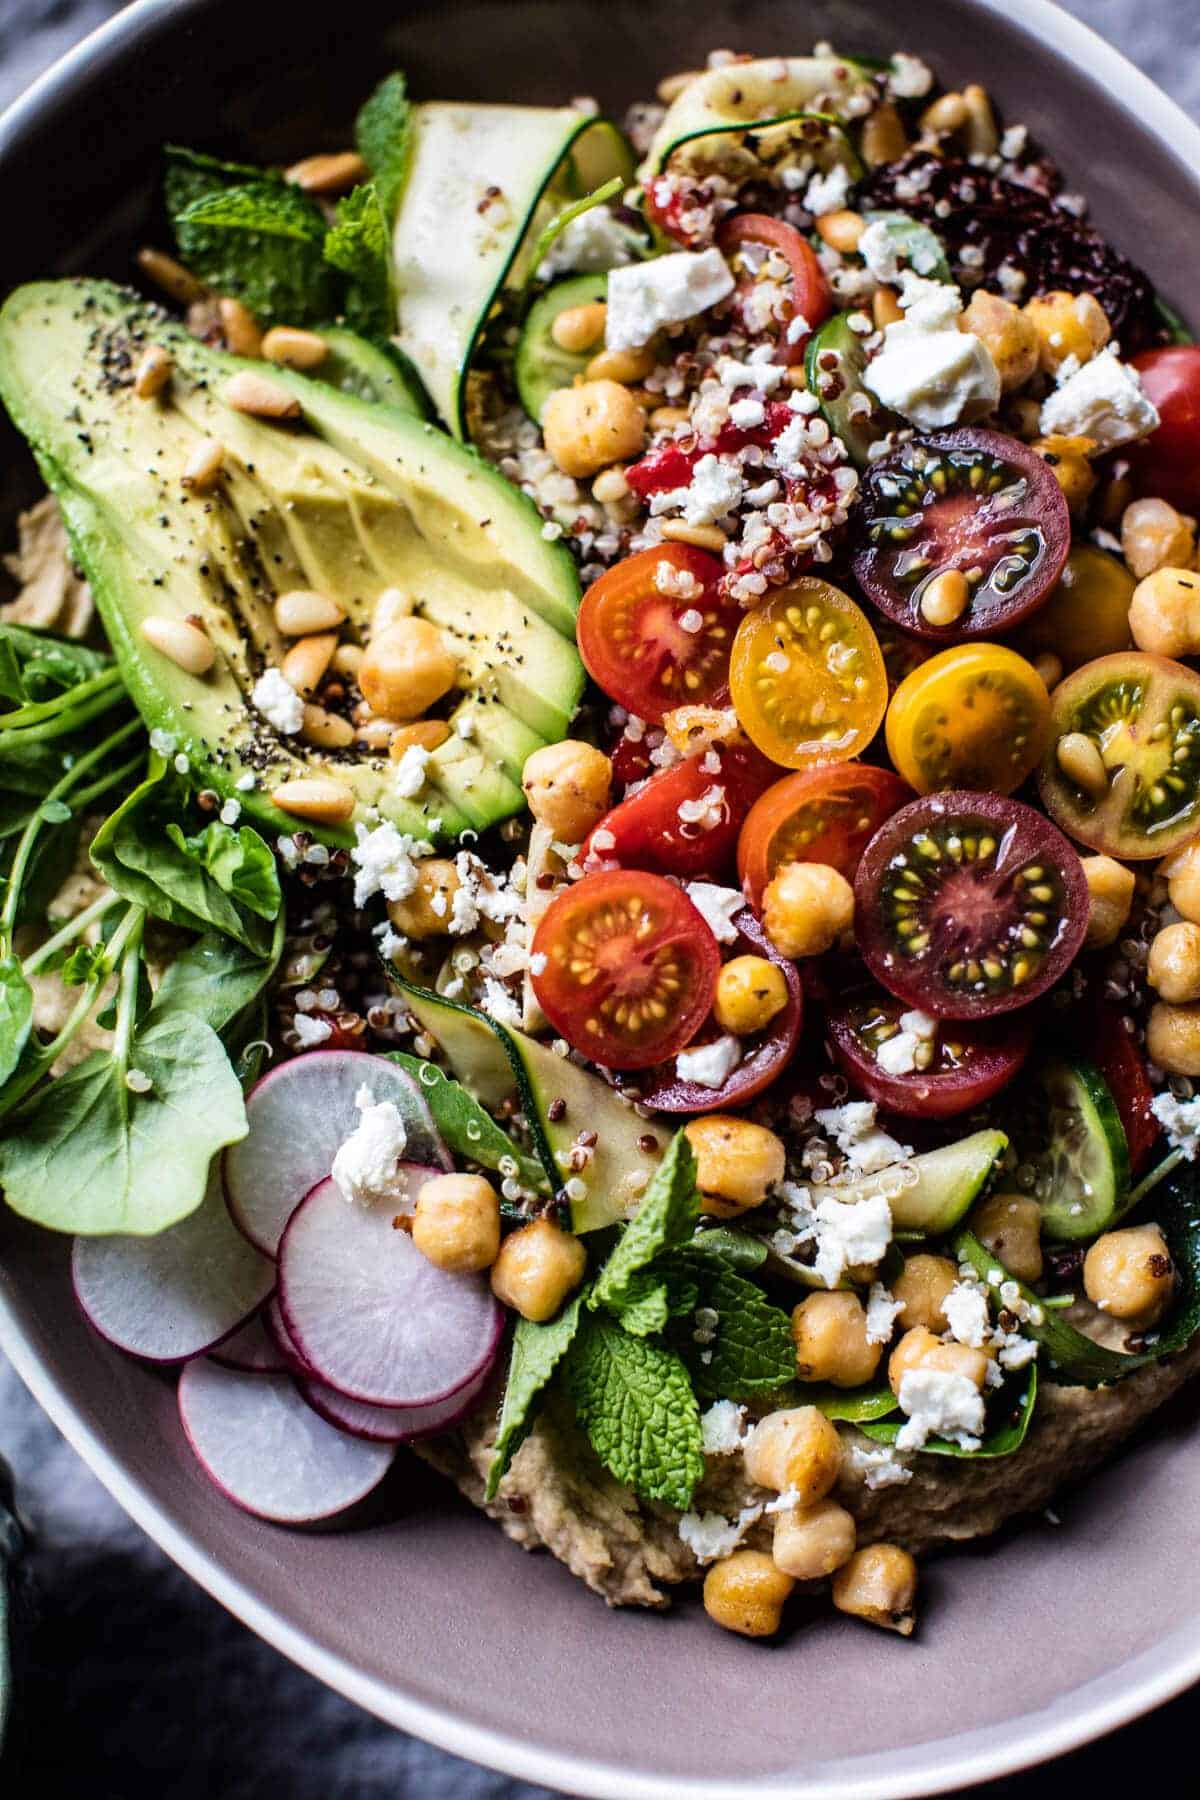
1015	1403
665	1219
737	1248
537	1351
381	132
239	861
215	978
263	241
192	175
854	1405
635	1401
465	1127
16	1015
750	1350
358	243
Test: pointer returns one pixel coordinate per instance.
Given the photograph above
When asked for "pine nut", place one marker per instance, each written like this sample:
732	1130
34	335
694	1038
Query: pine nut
428	733
328	731
980	135
1049	669
333	173
301	612
315	797
185	645
347	659
704	537
171	276
671	86
610	486
391	605
884	138
886	308
578	328
947	113
239	327
1081	762
945	597
374	734
665	418
248	393
624	366
293	349
841	230
203	467
305	664
153	372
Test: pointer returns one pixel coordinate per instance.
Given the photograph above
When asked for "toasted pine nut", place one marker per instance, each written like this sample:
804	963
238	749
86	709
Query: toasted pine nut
947	113
1049	668
704	537
884	138
170	276
374	734
183	644
307	660
886	308
1082	763
203	467
293	349
315	797
333	173
329	731
610	485
945	597
671	86
391	605
665	418
841	230
249	393
153	372
624	366
578	328
980	134
428	733
301	612
347	659
239	327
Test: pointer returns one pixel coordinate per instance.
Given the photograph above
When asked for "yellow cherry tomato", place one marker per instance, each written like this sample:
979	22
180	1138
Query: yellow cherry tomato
807	676
976	716
1087	615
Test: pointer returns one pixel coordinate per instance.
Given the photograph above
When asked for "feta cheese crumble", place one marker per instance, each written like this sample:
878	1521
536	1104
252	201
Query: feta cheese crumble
366	1167
311	1032
866	1148
883	1309
710	1065
278	702
1102	400
723	1428
897	1055
966	1310
939	1403
1180	1119
645	296
717	907
929	370
385	862
880	1468
591	242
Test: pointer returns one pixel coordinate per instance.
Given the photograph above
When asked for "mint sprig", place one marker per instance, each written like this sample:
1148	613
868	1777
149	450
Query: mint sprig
665	1219
635	1401
536	1353
751	1349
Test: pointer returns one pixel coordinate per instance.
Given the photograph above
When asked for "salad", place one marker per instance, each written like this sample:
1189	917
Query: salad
601	824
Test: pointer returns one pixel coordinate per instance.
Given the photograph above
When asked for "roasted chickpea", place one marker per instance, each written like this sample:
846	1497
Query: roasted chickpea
625	366
1008	333
405	669
1173	1037
429	909
1183	881
579	328
745	1592
1110	894
1067	325
587	427
538	1266
879	1584
1129	1274
1173	968
807	909
737	1162
921	1287
810	1542
750	991
799	1448
1154	536
1164	614
919	1349
568	786
1010	1226
457	1223
830	1335
1068	457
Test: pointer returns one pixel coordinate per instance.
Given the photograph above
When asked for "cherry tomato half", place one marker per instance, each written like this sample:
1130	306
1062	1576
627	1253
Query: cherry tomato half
1167	463
630	968
956	1068
655	632
1101	1035
764	253
975	716
828	815
685	820
1087	615
807	676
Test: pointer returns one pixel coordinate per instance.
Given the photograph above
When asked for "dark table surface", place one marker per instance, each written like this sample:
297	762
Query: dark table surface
137	1683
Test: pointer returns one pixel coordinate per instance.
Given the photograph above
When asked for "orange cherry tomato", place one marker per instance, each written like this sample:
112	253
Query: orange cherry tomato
976	716
826	815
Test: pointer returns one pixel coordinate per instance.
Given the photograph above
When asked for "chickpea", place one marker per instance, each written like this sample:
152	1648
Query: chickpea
1154	536
405	669
1010	1226
1008	333
623	366
919	1349
811	1542
1173	969
807	909
1068	457
830	1335
879	1584
1173	1038
745	1592
921	1287
538	1266
1067	325
1110	897
799	1448
1129	1274
737	1163
1164	614
589	426
457	1223
568	787
1183	881
429	909
750	991
578	328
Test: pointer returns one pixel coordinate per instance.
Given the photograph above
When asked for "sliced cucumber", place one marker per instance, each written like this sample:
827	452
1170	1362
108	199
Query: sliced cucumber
1071	1133
465	1126
948	1181
375	372
541	366
833	365
921	248
754	93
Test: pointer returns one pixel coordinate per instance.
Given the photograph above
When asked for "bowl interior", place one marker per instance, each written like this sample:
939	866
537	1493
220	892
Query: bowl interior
423	1610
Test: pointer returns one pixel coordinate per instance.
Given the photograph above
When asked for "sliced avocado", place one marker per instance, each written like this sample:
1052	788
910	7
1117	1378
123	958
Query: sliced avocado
351	498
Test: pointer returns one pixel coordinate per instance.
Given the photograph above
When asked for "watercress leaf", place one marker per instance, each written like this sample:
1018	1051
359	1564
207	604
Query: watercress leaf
35	666
381	132
239	861
88	1154
84	961
143	1000
264	242
12	684
359	244
851	1404
215	978
635	1401
465	1127
537	1351
51	860
1012	1407
16	1015
750	1350
247	1043
666	1217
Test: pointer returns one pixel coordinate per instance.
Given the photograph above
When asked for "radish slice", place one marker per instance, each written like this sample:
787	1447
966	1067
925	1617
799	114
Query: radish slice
277	1331
268	1451
300	1115
177	1294
392	1424
252	1350
372	1316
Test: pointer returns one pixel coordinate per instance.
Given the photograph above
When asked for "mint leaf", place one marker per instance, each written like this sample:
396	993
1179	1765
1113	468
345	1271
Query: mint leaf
636	1404
536	1352
357	244
193	175
656	1294
752	1349
737	1248
263	241
381	133
665	1219
239	861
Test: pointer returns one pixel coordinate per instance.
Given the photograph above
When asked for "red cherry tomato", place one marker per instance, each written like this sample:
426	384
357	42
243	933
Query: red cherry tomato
1102	1037
685	820
965	1064
828	815
655	632
630	759
1167	463
764	1055
669	466
762	308
628	968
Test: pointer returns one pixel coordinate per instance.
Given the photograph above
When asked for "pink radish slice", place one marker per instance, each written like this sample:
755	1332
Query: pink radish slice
300	1115
277	1331
392	1424
177	1294
268	1451
372	1316
252	1350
